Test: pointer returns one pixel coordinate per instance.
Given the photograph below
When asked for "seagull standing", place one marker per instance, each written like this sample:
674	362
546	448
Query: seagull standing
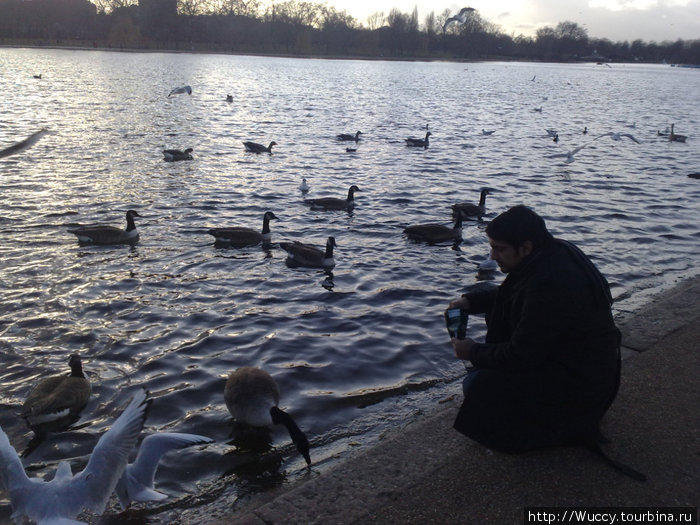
60	500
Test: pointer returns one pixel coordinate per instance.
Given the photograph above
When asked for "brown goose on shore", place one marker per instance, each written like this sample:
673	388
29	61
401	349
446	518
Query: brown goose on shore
252	397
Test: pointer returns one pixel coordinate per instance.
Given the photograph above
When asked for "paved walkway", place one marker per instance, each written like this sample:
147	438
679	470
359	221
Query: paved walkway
428	473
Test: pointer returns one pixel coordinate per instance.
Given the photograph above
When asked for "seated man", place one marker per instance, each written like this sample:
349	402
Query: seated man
550	365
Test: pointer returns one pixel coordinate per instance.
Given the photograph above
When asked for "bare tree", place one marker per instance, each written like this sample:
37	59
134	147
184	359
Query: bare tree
376	20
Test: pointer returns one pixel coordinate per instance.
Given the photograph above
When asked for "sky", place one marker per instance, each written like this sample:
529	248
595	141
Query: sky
616	20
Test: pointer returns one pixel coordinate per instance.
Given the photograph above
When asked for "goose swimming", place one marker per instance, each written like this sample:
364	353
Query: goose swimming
307	255
252	397
102	234
174	155
180	90
56	402
673	137
419	143
229	98
23	144
434	233
488	131
136	482
60	500
349	137
334	203
467	209
239	236
254	147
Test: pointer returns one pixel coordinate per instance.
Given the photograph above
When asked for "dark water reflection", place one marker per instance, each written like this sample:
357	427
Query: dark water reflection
176	314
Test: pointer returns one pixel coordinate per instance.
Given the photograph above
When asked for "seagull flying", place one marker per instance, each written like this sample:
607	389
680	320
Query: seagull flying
66	495
24	144
616	136
569	155
179	90
461	17
136	483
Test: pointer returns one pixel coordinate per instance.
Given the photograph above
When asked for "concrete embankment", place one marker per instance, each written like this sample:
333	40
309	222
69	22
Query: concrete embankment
426	472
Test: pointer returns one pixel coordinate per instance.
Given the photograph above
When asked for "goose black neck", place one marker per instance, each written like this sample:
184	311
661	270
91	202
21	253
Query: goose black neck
482	198
130	224
329	250
280	417
351	194
266	224
76	368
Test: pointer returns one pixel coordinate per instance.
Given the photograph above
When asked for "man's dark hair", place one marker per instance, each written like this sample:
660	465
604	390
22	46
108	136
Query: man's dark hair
517	225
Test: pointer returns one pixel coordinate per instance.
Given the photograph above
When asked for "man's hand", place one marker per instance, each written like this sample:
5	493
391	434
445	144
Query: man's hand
462	348
461	302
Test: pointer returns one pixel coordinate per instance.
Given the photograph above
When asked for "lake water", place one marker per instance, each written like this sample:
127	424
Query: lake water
175	314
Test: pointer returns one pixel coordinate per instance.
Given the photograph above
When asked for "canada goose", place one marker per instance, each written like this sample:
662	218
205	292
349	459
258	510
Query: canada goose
304	186
241	236
488	131
467	209
55	402
307	255
673	137
252	396
556	138
585	130
229	98
334	203
617	136
348	137
66	495
38	76
350	150
101	234
136	482
23	144
433	233
179	90
254	147
174	155
419	143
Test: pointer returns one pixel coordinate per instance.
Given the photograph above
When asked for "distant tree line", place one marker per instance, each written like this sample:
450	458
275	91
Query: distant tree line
301	28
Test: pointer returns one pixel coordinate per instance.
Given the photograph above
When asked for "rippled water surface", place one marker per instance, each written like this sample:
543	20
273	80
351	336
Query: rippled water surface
175	313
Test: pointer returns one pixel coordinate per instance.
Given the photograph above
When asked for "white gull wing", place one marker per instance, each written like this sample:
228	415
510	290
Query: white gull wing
136	483
65	496
24	144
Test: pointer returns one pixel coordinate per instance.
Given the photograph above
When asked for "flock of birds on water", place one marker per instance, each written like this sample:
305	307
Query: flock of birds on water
251	395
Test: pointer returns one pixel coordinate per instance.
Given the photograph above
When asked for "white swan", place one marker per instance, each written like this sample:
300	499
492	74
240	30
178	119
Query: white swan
60	500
